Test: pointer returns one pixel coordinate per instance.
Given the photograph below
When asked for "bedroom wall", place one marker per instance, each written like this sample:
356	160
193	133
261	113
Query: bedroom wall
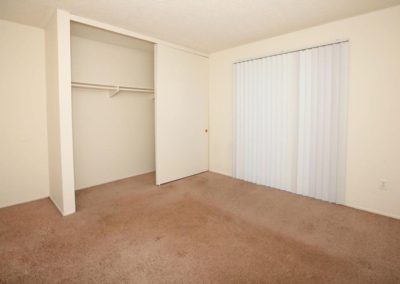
23	144
373	128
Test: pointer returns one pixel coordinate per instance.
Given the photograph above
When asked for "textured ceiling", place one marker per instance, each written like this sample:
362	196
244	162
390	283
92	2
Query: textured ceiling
203	25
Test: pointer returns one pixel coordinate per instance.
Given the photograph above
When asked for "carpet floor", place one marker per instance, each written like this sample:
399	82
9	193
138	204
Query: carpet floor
207	228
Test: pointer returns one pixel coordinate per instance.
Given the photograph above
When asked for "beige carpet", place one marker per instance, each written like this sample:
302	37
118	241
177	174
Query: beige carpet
204	229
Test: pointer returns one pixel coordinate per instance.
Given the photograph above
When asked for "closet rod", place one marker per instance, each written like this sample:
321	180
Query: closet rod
116	89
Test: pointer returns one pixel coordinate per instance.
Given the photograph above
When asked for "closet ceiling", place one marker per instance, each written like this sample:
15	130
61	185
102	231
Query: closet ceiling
204	25
96	34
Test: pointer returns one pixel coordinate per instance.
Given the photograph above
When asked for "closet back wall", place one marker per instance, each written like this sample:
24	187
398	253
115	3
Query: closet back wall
23	144
113	137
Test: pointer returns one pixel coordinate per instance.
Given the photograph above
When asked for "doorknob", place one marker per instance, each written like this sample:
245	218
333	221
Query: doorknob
206	130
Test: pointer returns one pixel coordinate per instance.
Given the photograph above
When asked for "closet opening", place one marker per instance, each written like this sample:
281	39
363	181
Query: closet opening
112	81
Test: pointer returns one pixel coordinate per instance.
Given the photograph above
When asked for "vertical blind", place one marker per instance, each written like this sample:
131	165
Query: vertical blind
290	121
265	120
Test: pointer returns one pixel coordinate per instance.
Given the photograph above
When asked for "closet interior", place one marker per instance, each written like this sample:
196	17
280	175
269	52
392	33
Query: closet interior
112	81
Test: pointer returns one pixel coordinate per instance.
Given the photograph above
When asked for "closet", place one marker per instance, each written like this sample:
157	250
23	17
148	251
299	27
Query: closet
112	78
120	104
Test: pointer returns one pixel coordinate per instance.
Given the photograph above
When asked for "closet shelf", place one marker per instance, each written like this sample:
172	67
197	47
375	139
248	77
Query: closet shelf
115	89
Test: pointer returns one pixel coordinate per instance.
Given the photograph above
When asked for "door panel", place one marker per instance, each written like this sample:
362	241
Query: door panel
181	105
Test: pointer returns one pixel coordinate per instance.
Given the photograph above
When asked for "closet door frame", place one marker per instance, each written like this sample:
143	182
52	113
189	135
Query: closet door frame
63	179
59	113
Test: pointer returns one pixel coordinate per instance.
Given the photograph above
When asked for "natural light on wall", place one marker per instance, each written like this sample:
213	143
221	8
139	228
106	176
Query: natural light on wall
290	118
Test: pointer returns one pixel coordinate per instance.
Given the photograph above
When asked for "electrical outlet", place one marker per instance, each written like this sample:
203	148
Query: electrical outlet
383	184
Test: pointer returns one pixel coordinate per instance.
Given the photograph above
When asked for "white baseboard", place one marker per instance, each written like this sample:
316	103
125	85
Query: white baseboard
119	178
23	201
347	204
373	211
56	205
221	173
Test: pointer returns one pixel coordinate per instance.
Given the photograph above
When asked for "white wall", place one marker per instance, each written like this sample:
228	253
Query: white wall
98	62
374	99
23	143
113	137
59	113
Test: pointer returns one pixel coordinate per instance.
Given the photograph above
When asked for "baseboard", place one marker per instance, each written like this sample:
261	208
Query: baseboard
116	180
56	205
221	173
373	211
23	202
68	213
347	204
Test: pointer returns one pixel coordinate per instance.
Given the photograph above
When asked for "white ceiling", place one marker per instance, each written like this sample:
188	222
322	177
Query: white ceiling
203	25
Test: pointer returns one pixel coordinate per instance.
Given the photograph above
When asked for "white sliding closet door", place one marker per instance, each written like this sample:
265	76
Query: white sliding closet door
181	87
322	122
266	91
291	117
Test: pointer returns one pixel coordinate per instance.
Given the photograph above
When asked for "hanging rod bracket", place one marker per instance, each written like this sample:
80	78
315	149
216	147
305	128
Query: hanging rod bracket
116	91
